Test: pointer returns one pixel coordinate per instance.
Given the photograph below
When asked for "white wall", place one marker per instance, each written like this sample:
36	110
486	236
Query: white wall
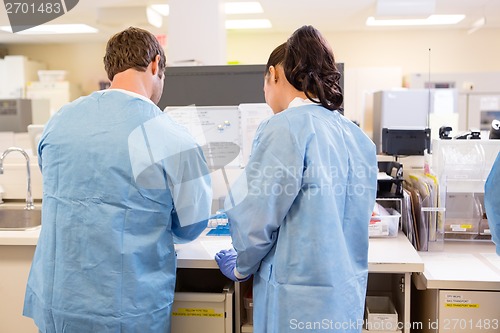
451	51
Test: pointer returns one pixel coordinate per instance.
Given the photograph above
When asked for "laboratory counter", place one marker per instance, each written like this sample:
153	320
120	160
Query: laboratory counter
389	255
391	263
462	265
459	290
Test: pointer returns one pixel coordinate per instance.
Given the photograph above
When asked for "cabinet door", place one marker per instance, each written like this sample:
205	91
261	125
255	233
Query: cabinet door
469	311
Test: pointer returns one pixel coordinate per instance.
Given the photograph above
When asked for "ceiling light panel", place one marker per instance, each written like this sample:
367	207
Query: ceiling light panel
431	20
48	29
248	24
405	7
251	7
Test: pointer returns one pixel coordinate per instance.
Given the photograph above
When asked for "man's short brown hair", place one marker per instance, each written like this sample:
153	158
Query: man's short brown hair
132	48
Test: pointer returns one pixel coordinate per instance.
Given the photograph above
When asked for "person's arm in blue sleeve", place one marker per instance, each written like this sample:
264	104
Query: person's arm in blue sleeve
41	143
188	233
192	195
492	202
261	198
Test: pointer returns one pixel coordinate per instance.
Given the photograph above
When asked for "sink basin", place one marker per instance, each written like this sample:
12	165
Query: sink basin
18	218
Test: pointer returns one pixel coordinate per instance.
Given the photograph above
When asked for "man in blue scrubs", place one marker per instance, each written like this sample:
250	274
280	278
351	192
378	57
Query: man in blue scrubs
121	183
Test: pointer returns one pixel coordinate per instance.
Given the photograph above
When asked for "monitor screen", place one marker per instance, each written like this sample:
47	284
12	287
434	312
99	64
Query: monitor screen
213	85
216	85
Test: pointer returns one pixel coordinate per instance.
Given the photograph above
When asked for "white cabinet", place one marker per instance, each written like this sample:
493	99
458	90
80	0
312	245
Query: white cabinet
17	71
203	302
15	264
459	291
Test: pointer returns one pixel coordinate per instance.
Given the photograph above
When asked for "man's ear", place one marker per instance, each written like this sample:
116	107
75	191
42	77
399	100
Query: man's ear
155	65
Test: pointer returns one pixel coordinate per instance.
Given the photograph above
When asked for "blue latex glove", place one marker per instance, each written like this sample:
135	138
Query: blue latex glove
226	259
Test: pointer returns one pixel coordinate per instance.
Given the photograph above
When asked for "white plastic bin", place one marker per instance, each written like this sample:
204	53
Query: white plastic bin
385	221
380	314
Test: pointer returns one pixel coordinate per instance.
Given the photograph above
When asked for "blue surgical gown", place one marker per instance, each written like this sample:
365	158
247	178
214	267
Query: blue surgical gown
492	202
299	220
121	183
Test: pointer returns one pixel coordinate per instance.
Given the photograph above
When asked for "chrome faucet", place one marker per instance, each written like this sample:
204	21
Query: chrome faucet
29	197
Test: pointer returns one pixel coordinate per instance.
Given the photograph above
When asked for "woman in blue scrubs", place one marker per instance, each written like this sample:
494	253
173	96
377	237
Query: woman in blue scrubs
299	222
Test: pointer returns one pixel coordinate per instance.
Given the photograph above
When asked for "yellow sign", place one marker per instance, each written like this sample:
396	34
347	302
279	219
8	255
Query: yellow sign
461	305
194	312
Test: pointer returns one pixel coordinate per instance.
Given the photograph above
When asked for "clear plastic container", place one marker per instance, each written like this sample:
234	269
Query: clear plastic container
385	225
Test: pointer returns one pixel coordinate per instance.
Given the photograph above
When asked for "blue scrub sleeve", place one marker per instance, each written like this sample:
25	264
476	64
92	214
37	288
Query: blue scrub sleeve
264	194
187	233
492	202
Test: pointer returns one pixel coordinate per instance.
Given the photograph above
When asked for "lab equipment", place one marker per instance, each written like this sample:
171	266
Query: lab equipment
57	93
219	224
17	71
462	167
470	135
15	114
216	85
444	132
390	180
397	142
495	130
410	114
212	85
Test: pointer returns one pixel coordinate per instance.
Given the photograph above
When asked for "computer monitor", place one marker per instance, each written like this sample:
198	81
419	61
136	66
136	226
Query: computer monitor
213	85
216	85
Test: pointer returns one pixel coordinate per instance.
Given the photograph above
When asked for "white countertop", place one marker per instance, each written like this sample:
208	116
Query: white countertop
385	255
393	255
388	255
22	237
463	265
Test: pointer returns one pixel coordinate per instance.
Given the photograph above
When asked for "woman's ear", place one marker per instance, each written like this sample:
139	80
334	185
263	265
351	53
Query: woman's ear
273	74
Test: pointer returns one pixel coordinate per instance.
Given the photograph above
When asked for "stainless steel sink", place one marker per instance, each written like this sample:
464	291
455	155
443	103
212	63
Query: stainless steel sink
18	218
